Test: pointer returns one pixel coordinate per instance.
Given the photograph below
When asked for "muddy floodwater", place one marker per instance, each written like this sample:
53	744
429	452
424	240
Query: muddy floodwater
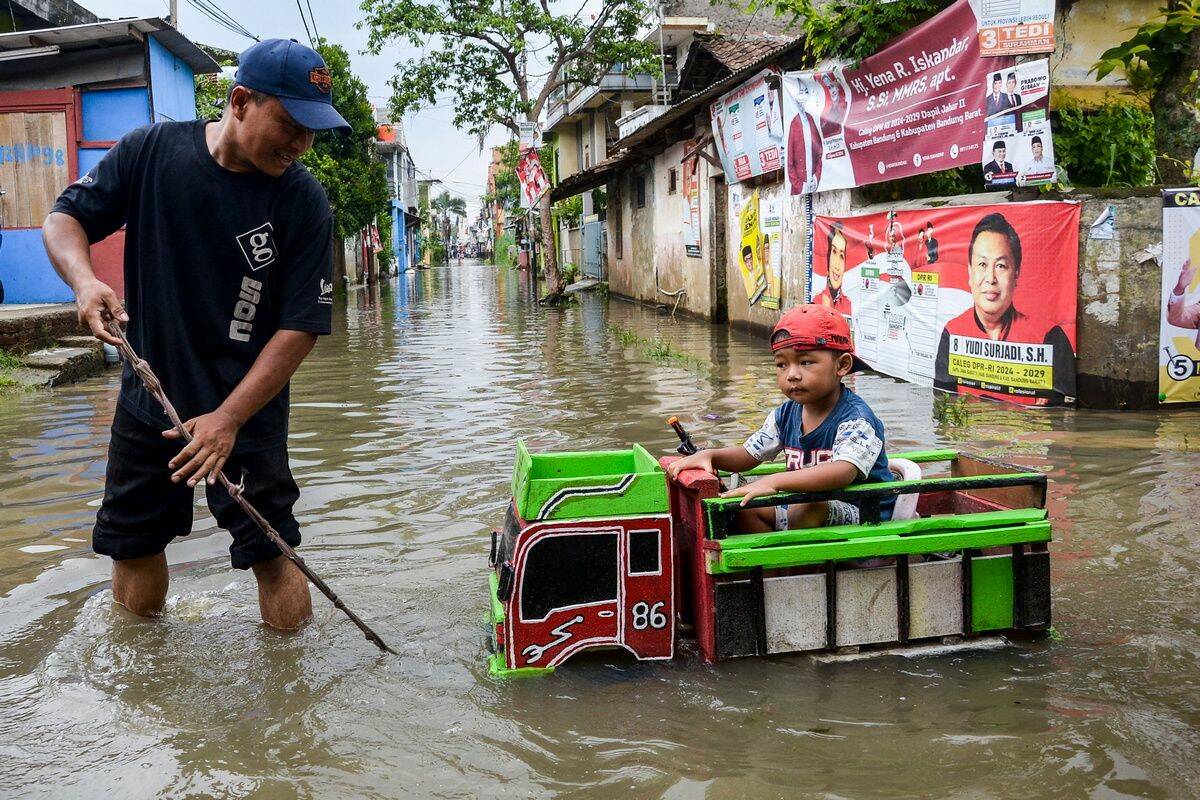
403	429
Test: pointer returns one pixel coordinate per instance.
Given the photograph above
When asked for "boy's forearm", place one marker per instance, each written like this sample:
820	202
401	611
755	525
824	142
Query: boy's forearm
734	459
67	246
821	478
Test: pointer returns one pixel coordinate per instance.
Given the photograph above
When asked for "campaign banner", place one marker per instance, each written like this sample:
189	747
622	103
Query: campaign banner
770	228
1018	149
916	106
749	253
691	205
532	178
747	125
1179	333
1015	27
971	299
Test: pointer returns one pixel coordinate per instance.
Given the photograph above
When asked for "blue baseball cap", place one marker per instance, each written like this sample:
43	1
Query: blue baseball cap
295	74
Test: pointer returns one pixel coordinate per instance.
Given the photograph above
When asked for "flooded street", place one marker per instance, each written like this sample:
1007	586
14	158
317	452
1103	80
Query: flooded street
403	430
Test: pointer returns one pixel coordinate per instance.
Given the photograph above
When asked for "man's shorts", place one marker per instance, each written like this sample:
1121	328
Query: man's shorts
143	510
840	513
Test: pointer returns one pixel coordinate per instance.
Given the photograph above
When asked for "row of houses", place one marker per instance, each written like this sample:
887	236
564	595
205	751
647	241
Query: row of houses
622	142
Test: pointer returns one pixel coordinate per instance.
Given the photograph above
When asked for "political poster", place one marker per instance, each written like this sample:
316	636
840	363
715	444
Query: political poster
532	178
691	206
1179	333
770	228
972	299
1015	27
1018	149
749	255
916	106
747	125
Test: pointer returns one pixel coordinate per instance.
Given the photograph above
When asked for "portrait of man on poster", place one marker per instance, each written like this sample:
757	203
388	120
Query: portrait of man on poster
994	262
997	101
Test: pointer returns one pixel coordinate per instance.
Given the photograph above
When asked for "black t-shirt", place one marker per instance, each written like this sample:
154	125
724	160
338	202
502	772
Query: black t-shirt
215	263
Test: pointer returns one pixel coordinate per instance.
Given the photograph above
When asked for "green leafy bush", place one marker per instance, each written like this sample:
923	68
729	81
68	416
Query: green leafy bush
1111	144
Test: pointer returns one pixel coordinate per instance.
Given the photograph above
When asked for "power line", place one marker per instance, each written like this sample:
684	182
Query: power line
210	9
307	32
313	17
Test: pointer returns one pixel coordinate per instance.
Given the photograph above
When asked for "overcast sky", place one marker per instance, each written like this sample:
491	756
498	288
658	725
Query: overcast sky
440	151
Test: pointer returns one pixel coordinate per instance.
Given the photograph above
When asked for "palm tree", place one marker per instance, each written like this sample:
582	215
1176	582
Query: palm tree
444	207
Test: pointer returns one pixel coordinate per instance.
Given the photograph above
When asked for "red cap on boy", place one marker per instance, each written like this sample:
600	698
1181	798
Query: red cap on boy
815	327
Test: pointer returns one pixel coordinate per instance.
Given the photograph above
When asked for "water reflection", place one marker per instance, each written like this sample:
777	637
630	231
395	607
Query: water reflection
402	437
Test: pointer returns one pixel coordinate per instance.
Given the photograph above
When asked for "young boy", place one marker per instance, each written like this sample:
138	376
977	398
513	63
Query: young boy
830	435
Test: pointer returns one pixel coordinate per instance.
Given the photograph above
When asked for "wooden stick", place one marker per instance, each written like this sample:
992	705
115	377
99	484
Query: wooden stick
154	386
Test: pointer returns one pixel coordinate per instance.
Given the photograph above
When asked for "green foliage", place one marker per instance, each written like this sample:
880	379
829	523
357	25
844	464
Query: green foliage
600	202
501	255
211	93
945	183
213	90
569	210
847	29
1107	145
508	188
343	162
8	363
1156	47
658	349
477	50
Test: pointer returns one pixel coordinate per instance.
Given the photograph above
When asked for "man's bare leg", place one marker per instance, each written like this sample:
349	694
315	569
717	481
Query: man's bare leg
140	584
283	597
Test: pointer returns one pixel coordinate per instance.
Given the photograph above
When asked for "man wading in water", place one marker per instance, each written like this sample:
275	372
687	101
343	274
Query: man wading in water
228	262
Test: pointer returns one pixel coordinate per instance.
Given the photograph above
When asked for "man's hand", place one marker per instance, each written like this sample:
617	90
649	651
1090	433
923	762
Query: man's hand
702	460
748	491
92	300
1186	276
213	436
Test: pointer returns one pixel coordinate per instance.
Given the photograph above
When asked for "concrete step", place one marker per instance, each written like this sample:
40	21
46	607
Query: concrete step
86	342
28	378
69	363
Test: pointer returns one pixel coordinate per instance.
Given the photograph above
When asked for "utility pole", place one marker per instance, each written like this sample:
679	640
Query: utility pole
174	16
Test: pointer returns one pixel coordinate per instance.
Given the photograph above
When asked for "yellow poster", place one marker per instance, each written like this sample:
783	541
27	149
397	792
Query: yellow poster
1179	339
750	251
770	252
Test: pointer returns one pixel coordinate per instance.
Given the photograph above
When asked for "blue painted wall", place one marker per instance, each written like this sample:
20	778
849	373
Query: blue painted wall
109	114
26	272
172	84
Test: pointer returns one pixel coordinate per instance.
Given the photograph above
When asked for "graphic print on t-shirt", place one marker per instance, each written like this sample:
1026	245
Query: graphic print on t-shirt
258	246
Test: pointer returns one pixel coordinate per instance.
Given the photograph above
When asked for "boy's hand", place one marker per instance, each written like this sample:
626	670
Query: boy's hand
748	491
702	460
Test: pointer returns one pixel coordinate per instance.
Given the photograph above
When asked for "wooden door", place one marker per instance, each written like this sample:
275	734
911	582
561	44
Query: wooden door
34	166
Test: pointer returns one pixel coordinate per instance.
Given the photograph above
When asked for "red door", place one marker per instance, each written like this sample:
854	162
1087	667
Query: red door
649	601
568	594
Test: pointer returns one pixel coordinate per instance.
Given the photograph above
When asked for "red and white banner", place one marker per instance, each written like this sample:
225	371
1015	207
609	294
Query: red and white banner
916	106
532	178
973	299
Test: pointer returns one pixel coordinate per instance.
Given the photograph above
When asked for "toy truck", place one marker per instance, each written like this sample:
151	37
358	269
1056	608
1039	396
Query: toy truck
603	550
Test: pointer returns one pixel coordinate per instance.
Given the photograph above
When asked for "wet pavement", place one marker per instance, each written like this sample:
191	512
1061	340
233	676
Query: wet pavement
404	424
